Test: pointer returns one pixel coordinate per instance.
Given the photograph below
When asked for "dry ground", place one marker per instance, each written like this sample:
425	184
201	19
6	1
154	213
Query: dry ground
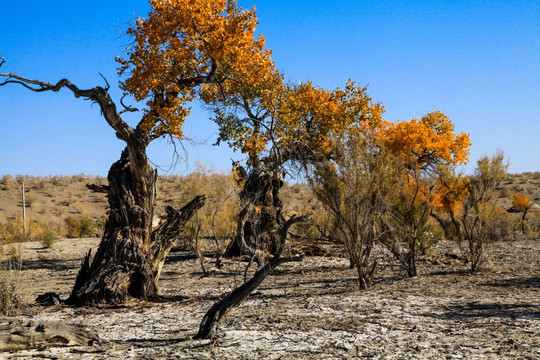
308	310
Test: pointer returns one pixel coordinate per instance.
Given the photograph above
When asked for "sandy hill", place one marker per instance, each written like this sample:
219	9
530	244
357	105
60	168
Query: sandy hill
50	200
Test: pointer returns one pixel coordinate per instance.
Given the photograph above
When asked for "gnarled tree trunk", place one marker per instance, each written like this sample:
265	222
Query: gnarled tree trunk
129	259
130	256
261	212
122	266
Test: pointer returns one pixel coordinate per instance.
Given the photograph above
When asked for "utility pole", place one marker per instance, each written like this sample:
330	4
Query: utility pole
23	210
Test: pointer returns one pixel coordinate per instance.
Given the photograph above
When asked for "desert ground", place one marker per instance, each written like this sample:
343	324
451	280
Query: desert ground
306	310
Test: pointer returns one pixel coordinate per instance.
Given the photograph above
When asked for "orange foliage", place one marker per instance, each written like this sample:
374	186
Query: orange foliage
415	191
427	141
293	120
422	144
521	202
311	117
449	194
183	45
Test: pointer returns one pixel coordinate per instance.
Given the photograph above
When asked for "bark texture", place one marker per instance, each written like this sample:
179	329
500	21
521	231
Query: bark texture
16	334
129	258
220	309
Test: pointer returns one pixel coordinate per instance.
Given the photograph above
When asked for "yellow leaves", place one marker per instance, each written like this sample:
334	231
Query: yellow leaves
449	194
183	44
521	202
427	141
312	118
428	148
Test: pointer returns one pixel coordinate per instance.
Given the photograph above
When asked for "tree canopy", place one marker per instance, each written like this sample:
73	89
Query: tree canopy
183	45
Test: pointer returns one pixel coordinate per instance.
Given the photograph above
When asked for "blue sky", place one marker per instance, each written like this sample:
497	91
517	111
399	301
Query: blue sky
478	61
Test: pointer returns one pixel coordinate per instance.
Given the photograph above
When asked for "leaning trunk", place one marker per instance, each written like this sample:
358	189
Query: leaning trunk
523	221
261	229
212	318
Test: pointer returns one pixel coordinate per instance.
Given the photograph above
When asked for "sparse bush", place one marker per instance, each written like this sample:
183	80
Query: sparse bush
29	199
78	207
82	226
87	226
10	268
8	182
522	204
11	231
72	227
213	227
48	239
479	221
354	189
505	192
408	226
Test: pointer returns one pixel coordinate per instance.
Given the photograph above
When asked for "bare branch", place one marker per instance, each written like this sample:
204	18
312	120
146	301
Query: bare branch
96	94
106	82
126	108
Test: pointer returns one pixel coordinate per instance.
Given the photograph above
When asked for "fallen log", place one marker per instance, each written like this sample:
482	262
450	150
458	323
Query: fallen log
19	334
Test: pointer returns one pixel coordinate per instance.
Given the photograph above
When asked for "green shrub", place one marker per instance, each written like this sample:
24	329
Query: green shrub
73	229
87	226
82	226
48	238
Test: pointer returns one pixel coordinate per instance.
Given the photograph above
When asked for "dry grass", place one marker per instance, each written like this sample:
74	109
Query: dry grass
50	200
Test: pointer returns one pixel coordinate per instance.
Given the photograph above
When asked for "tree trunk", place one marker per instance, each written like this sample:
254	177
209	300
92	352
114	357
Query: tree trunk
221	308
126	264
128	261
523	221
17	334
261	213
164	236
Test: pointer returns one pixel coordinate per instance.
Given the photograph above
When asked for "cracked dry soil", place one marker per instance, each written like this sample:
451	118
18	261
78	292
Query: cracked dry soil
308	310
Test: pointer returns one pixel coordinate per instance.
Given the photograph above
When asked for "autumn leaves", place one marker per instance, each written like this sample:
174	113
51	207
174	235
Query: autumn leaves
182	45
207	51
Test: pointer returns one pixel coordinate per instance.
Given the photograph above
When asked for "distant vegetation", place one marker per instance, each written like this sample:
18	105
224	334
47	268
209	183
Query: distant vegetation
63	207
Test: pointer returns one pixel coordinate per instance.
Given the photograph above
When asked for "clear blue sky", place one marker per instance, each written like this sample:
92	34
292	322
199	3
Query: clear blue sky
478	61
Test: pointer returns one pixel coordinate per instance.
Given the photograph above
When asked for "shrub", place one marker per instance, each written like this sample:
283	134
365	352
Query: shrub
213	227
354	189
82	226
87	226
48	239
505	192
29	199
72	227
10	268
480	221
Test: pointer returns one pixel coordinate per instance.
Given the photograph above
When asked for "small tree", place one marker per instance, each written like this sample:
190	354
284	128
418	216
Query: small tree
183	51
277	125
521	203
420	146
354	188
476	220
